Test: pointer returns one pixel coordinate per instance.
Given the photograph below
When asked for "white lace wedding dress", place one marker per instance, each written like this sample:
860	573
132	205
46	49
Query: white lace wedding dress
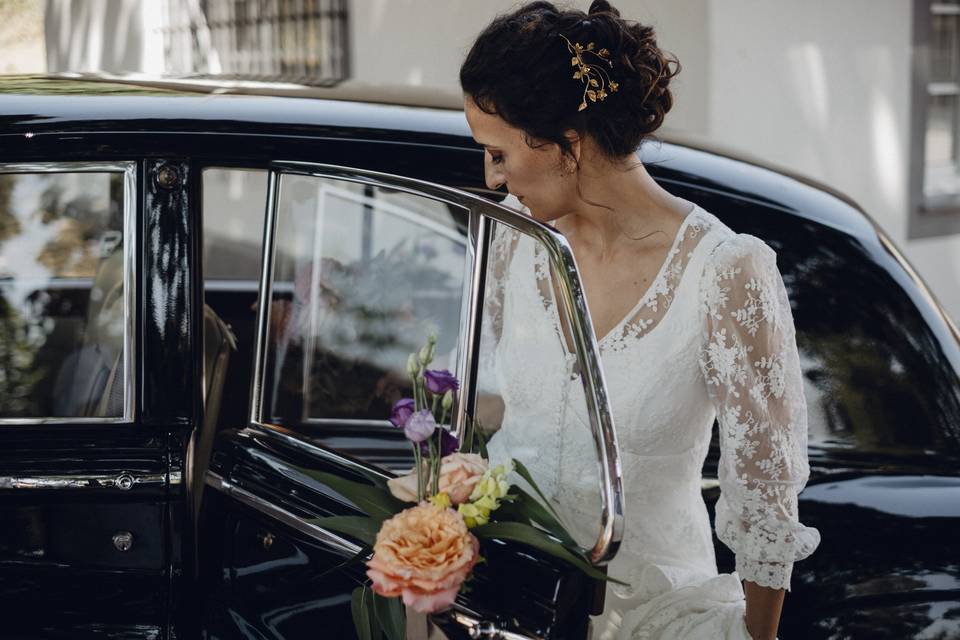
713	337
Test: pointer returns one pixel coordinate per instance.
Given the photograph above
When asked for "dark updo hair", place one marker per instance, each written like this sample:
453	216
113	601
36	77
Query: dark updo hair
519	68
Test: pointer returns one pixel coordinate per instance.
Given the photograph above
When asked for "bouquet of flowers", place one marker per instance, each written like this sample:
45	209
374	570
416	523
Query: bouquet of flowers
423	554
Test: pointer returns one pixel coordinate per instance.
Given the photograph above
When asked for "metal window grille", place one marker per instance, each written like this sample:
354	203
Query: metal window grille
301	41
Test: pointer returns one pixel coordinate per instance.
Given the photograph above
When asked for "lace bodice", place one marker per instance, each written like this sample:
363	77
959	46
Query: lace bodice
712	338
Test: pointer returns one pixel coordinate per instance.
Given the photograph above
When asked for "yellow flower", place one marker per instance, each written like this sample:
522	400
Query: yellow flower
441	500
486	496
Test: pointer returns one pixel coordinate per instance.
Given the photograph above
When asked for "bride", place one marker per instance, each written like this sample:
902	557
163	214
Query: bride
692	319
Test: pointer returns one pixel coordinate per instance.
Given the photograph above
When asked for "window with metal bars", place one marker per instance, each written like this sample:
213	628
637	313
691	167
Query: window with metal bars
300	41
935	154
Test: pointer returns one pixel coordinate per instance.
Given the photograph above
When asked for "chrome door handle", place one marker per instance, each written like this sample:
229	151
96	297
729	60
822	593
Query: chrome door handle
484	629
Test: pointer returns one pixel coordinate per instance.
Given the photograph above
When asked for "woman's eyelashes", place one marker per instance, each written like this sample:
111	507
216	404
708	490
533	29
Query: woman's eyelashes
495	158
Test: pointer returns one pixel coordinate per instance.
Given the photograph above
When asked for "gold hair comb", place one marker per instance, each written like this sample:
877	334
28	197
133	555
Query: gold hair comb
595	78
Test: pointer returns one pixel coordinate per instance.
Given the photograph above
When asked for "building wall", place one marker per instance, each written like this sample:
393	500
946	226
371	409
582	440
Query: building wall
819	87
21	36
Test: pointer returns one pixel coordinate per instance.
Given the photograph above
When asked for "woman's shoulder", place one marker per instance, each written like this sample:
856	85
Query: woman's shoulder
726	247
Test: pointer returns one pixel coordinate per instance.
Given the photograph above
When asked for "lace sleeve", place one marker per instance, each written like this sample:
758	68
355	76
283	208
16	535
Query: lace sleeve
751	366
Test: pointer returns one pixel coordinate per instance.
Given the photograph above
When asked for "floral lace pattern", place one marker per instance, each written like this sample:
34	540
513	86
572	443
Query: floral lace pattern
751	367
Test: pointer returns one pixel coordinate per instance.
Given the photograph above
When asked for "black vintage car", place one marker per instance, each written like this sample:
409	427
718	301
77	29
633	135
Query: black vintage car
203	295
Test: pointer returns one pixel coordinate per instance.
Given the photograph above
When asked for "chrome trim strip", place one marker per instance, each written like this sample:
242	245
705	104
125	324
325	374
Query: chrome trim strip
263	299
477	628
319	534
472	329
574	300
129	171
124	481
383	424
297	441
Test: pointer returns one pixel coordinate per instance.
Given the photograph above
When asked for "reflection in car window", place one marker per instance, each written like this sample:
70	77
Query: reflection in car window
876	378
545	427
361	276
62	295
233	208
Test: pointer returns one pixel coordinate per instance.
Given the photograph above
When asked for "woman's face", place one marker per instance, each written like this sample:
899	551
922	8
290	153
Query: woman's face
532	174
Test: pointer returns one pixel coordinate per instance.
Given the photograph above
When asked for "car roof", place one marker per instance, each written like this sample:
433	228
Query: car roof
31	104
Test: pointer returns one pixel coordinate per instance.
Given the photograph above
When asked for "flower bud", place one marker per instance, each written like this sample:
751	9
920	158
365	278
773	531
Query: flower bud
413	367
447	402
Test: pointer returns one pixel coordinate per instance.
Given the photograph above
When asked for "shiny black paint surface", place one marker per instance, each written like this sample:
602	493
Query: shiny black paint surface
277	591
170	386
882	374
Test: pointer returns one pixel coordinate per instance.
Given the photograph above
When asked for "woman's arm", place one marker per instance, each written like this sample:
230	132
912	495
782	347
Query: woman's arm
752	372
763	610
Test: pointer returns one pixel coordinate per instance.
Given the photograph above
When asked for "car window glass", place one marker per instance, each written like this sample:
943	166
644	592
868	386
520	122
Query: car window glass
63	295
361	276
530	400
876	379
234	202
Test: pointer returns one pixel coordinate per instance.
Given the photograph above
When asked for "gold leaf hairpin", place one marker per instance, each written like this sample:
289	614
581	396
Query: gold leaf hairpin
595	78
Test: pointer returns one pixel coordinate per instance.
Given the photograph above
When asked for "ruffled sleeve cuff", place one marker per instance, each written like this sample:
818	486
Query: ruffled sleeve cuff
775	575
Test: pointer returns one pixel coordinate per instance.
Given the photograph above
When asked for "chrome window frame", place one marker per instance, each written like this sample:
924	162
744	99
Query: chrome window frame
128	168
571	296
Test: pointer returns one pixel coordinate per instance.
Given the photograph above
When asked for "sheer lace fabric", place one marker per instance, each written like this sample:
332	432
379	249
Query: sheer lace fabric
711	338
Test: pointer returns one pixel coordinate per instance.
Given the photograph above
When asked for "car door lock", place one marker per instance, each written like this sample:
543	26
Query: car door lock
123	540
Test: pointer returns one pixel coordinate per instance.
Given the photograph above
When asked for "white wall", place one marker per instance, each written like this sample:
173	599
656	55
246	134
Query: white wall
818	86
103	35
823	87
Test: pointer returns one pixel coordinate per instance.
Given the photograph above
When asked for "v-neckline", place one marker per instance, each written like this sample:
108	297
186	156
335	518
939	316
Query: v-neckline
651	288
661	273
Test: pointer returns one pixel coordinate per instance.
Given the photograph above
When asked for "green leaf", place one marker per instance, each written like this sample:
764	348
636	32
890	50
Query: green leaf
374	501
391	617
359	527
481	439
361	610
527	508
526	534
526	475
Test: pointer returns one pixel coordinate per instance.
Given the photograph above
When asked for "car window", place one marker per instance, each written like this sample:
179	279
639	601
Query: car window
361	276
65	292
530	398
234	202
876	379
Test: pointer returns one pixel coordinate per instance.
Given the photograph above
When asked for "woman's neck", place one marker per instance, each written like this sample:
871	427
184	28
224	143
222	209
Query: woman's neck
621	206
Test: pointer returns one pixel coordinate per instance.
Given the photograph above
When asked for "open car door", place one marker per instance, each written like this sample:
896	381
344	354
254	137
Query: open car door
358	267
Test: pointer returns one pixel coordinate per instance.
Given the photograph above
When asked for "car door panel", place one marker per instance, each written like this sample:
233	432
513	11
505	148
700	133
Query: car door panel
272	563
258	499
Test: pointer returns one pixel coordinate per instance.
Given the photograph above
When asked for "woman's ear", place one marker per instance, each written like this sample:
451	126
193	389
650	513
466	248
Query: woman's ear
576	148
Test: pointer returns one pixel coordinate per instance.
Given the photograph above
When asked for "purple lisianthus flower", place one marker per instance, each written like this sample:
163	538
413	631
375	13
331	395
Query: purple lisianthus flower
448	443
420	426
402	410
439	381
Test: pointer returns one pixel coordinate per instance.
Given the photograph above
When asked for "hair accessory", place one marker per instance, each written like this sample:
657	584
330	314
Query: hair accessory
595	78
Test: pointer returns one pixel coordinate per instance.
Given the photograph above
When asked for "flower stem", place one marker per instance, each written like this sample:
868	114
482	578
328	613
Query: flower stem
419	467
434	468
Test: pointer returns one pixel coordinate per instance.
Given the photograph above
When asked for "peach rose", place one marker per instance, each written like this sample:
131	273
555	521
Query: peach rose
423	554
459	474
